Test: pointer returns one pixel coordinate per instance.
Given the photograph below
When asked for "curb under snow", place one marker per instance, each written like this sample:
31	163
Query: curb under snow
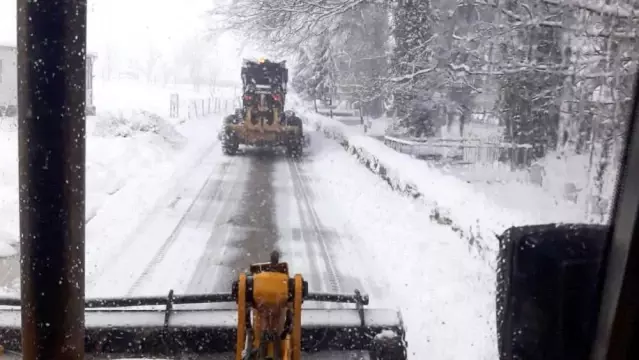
452	202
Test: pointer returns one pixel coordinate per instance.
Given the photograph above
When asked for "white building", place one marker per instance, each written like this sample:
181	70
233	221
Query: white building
9	78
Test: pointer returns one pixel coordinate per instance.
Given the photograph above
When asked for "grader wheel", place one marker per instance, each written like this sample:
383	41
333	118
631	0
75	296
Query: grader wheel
295	144
230	143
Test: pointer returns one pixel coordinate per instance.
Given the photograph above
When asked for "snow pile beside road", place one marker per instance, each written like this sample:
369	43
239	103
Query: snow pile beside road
466	208
8	123
119	148
8	244
125	178
129	122
8	190
133	150
156	179
445	292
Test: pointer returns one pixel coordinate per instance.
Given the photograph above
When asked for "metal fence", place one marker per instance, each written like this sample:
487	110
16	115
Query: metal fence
481	152
199	107
462	151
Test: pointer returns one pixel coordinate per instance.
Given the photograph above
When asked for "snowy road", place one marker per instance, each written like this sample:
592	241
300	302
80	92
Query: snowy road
227	213
192	226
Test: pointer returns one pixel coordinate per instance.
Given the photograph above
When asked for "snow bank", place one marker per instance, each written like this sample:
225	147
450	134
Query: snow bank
8	244
8	189
377	127
120	146
468	209
444	291
133	150
127	123
566	172
153	186
125	178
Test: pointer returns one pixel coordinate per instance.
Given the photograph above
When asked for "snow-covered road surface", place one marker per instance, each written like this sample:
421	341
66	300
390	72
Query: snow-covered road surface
443	287
337	224
176	218
193	225
227	213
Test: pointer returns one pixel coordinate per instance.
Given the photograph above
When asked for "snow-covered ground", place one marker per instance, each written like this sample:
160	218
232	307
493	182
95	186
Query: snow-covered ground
476	201
439	246
480	203
445	291
378	241
560	186
132	155
142	166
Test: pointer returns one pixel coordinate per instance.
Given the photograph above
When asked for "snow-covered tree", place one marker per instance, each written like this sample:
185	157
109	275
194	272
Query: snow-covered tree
553	74
302	74
195	61
361	40
153	58
344	40
412	56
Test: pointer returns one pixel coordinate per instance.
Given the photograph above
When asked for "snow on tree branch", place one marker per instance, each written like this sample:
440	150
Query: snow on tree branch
542	67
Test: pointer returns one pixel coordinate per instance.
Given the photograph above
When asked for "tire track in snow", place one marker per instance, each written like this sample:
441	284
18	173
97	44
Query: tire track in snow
355	272
161	253
248	236
318	232
329	241
206	234
143	246
172	196
301	234
293	230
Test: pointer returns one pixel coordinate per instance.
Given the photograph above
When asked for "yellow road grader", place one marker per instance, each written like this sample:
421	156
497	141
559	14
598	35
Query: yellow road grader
261	121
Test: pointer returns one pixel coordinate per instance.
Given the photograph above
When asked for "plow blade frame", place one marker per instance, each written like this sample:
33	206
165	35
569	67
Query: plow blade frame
142	333
118	326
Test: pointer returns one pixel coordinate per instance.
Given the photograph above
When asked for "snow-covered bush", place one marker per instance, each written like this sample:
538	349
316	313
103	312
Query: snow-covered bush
129	123
8	123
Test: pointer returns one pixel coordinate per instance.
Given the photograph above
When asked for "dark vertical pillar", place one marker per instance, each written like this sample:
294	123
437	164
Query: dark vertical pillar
51	105
617	329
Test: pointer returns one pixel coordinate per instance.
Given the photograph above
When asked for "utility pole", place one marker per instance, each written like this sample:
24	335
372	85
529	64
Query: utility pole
51	134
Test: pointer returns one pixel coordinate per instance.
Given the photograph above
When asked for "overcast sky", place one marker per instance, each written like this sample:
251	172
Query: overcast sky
130	26
128	23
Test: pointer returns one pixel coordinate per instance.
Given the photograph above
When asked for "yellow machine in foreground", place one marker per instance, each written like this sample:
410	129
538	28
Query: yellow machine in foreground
277	318
269	312
269	317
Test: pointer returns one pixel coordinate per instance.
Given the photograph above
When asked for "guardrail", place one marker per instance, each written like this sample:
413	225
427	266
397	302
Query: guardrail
339	113
462	151
450	151
345	116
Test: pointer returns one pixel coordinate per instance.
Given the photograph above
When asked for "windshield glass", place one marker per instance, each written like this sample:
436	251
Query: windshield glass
262	74
412	134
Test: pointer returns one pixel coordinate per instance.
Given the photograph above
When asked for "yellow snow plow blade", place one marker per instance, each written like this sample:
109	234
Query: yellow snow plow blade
264	319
